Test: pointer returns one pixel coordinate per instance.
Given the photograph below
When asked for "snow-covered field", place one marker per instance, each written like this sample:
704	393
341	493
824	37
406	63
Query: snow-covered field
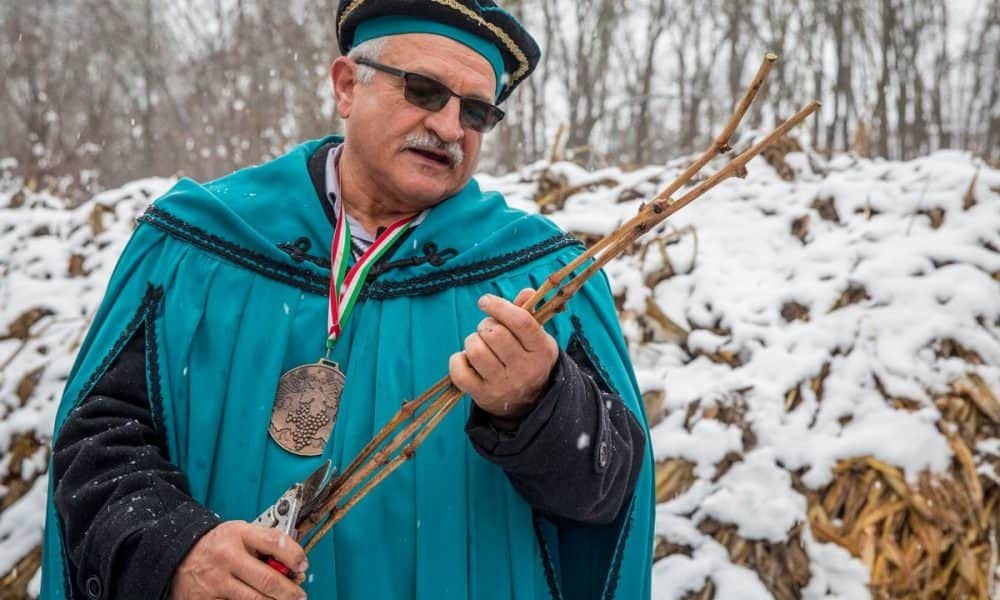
880	280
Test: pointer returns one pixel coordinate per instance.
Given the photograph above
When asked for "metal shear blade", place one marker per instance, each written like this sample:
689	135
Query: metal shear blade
298	501
316	489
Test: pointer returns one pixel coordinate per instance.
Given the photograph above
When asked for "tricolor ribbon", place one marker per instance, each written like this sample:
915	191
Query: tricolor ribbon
345	284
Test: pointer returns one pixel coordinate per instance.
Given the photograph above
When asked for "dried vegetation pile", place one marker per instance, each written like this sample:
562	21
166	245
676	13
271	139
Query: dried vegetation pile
931	536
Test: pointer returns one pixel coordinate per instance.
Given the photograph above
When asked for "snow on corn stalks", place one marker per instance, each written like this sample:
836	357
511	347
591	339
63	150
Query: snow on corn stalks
819	358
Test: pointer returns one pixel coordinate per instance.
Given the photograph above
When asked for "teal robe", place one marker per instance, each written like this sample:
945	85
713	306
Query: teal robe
227	312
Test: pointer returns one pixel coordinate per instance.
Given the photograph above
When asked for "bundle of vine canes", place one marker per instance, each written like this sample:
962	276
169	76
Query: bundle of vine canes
418	417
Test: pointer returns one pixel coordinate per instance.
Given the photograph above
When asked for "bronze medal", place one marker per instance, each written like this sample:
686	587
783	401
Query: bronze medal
305	407
308	397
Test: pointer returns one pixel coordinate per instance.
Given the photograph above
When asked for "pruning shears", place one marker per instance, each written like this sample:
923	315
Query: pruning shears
294	506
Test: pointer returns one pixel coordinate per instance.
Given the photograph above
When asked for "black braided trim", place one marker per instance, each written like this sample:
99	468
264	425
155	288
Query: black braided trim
466	274
584	344
550	572
612	587
68	570
318	284
580	344
304	280
153	366
149	301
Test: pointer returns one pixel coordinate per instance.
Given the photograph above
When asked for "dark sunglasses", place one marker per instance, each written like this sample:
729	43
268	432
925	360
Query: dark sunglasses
430	94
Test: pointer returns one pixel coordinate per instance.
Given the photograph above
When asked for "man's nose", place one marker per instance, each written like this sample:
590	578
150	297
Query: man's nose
446	122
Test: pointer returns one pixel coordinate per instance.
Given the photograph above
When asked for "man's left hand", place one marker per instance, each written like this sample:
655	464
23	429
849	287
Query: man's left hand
507	361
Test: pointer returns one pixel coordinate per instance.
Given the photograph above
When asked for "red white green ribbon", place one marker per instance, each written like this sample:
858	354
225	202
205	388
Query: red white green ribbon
345	284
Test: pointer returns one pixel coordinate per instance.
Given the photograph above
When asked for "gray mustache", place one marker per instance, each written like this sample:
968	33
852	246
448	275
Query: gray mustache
427	141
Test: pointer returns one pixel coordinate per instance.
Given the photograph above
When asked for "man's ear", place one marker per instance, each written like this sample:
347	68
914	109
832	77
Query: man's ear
343	77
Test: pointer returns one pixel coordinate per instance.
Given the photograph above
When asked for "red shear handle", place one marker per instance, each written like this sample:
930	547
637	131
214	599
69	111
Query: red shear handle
277	566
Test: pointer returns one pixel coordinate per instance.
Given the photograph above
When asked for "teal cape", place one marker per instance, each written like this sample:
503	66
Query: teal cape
227	312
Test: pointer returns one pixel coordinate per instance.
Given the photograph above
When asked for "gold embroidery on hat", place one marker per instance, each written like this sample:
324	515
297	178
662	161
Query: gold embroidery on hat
347	11
454	5
507	41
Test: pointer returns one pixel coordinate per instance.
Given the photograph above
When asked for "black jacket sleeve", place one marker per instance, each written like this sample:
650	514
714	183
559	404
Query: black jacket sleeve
126	512
577	455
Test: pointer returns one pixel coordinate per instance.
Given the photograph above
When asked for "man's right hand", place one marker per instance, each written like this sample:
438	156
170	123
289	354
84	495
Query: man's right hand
226	563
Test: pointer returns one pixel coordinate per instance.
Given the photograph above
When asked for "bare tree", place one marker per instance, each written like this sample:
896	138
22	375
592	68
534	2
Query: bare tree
127	89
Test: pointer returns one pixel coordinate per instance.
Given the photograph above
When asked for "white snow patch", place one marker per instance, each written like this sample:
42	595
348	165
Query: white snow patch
914	287
21	525
757	496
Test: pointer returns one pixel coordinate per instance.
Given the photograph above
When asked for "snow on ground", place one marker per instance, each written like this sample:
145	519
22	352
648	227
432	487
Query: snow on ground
37	243
762	279
864	226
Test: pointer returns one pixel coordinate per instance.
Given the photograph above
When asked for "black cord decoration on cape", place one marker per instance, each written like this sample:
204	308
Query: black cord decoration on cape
303	279
550	572
317	283
460	275
298	249
153	370
579	348
149	301
616	567
431	255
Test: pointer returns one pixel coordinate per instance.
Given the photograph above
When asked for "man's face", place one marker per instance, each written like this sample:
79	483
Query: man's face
379	120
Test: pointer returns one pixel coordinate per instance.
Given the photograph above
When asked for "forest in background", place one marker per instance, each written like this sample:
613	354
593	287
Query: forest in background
100	92
853	336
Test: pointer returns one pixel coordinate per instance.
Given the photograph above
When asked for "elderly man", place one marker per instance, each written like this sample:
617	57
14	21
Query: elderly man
187	411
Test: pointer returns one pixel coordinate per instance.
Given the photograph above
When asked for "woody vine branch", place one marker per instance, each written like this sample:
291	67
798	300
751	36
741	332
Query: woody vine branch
411	425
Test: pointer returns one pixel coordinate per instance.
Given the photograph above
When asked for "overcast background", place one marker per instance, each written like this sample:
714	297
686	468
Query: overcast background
106	91
818	345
